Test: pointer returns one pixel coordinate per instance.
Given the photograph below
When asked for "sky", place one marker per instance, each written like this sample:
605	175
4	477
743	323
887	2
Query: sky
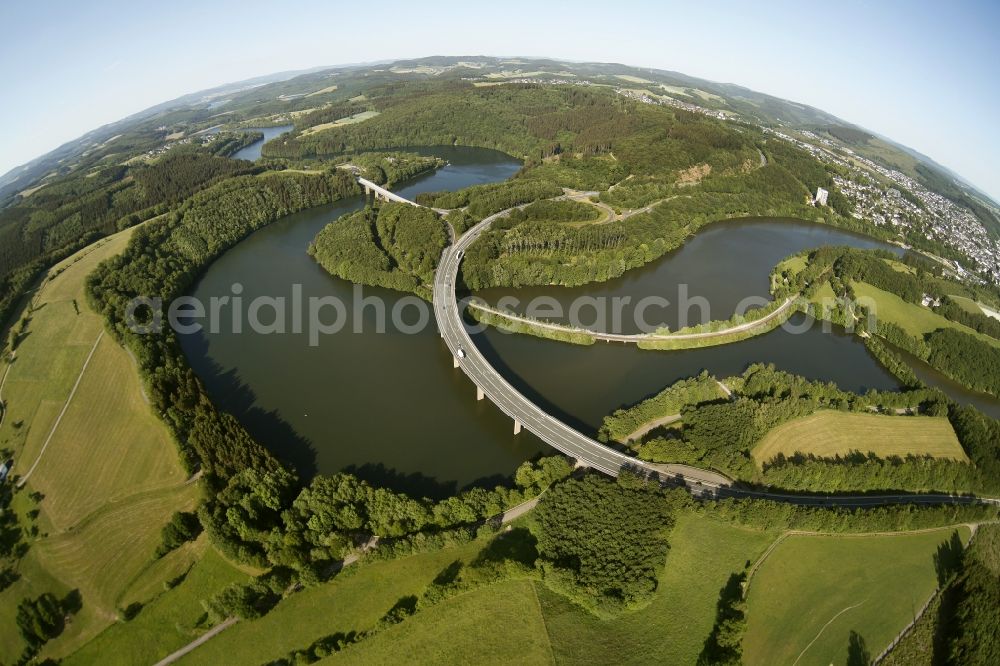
924	74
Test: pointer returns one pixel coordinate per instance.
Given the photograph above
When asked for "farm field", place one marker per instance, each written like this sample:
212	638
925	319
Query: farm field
812	592
672	629
830	433
108	473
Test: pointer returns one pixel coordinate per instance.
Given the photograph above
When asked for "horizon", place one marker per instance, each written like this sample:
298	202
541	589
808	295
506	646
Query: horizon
915	84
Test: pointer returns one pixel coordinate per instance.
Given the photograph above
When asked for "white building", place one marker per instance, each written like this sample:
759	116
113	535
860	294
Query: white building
821	196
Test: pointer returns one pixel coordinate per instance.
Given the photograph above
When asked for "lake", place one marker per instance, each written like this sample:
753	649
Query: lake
719	266
391	408
252	152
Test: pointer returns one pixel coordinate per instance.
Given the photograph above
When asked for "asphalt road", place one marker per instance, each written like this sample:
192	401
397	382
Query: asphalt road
586	450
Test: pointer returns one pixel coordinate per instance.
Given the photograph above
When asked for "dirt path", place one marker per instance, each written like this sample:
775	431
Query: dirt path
649	425
816	638
515	512
645	209
55	426
204	638
586	197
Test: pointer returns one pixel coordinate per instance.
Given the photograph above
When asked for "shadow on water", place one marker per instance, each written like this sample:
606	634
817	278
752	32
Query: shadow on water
414	484
236	397
388	407
518	382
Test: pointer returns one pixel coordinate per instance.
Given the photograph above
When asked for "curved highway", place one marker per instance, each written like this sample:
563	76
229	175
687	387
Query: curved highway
586	450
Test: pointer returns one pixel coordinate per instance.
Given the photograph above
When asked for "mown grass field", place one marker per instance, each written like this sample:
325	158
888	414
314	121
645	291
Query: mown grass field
912	318
900	267
794	264
829	433
824	296
813	591
110	475
499	624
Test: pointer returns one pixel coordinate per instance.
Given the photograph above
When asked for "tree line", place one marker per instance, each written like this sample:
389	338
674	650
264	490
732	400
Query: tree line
264	517
394	245
720	434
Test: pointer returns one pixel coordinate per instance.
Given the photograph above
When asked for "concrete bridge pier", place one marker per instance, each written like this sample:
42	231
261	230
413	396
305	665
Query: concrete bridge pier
517	427
479	394
454	360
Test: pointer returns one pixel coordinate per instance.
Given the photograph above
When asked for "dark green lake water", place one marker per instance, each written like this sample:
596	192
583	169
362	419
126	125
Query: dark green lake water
722	264
253	151
390	408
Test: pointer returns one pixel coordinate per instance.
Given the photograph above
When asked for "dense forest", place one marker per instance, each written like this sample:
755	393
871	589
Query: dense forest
68	214
522	251
687	169
389	169
393	245
959	625
266	518
602	543
530	121
227	143
971	631
480	201
669	401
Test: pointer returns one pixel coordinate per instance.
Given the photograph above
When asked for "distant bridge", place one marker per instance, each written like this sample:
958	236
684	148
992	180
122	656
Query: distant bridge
383	194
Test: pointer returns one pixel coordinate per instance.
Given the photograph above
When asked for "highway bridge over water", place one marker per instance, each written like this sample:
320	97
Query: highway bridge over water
582	448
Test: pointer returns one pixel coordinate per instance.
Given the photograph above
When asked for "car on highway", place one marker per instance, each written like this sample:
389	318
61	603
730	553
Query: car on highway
461	353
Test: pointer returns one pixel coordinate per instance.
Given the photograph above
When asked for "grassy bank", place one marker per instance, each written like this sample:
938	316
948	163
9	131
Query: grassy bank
512	325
